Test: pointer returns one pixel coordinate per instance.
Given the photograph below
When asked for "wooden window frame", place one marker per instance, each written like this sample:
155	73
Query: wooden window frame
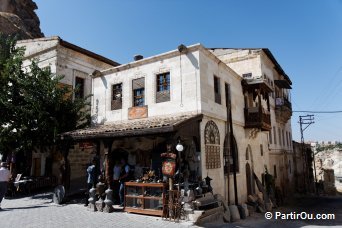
138	85
163	87
80	93
217	89
136	98
116	101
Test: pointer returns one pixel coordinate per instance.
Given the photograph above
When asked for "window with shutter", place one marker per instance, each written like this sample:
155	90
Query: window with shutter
163	87
138	86
79	88
217	90
116	96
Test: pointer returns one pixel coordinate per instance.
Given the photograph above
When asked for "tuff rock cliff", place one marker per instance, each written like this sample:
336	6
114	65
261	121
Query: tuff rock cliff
19	17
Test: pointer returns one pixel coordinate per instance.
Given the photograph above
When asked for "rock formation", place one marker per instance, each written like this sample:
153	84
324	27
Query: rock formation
18	17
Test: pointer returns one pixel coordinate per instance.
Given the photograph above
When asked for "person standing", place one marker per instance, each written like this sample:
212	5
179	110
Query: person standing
125	169
91	173
116	180
4	178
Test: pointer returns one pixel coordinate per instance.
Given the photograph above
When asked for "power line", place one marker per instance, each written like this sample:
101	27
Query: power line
319	111
305	121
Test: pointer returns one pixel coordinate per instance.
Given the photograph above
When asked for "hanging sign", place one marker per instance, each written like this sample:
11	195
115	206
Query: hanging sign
168	164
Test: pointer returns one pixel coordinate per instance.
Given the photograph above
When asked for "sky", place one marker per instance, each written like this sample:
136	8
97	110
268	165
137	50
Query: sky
305	37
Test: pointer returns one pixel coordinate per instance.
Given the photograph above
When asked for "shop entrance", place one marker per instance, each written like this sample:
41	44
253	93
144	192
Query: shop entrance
249	179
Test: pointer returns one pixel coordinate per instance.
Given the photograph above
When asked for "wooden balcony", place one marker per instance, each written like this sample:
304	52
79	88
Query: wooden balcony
257	83
254	118
283	109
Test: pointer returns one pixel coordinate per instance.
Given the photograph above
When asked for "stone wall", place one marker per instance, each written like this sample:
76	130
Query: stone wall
184	92
79	158
62	60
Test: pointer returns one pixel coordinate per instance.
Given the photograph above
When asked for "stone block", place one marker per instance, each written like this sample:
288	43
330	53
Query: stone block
260	195
196	214
241	212
210	216
261	209
252	199
268	206
227	216
234	211
245	208
251	209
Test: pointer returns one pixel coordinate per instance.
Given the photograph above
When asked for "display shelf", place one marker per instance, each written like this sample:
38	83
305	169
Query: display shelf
145	198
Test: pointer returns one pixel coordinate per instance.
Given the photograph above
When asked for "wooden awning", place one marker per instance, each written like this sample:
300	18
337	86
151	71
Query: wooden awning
138	127
282	84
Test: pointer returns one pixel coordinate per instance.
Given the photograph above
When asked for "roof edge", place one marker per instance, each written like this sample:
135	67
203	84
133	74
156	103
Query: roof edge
269	54
74	47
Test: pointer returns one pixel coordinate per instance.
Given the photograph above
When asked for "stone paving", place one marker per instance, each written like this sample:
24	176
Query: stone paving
39	211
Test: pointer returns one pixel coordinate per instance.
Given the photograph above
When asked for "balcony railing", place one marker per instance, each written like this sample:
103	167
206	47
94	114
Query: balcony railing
256	119
283	101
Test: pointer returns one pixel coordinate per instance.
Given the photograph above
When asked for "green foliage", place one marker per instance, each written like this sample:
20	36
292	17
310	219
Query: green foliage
34	109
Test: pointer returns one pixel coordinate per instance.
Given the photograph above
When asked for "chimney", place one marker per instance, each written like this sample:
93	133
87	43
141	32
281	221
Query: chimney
138	57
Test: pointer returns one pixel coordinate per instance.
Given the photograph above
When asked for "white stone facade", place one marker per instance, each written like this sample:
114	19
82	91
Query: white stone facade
258	63
192	91
64	59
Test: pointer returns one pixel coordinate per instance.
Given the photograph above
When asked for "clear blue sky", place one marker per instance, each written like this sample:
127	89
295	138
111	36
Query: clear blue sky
305	36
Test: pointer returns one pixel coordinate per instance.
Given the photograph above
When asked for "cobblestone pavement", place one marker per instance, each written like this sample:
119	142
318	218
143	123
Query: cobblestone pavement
39	211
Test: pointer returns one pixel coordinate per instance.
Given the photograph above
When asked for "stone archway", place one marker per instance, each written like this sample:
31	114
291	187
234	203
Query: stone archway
249	171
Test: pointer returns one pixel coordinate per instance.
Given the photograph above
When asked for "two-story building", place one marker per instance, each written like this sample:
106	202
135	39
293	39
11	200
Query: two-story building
186	96
76	64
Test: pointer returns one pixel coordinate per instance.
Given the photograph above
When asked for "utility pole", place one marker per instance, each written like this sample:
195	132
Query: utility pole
305	122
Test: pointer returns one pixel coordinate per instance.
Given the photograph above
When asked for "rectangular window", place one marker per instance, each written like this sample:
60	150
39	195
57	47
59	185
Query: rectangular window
261	150
275	171
275	135
138	86
279	134
217	90
117	96
163	87
270	136
79	87
227	93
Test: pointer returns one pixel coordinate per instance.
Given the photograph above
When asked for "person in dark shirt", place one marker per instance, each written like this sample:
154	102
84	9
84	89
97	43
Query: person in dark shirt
123	178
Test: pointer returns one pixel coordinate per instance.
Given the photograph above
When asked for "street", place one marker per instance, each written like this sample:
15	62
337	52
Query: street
39	211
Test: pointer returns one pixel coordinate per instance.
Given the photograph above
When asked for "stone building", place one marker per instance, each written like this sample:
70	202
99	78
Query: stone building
259	66
76	65
303	180
186	96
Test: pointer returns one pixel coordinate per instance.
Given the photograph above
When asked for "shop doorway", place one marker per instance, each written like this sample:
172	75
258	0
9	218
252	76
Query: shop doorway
249	180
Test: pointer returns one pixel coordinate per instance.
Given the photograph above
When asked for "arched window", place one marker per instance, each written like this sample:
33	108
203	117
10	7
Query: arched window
212	145
228	156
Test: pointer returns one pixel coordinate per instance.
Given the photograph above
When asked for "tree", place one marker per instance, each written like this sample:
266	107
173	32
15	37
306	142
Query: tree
34	108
